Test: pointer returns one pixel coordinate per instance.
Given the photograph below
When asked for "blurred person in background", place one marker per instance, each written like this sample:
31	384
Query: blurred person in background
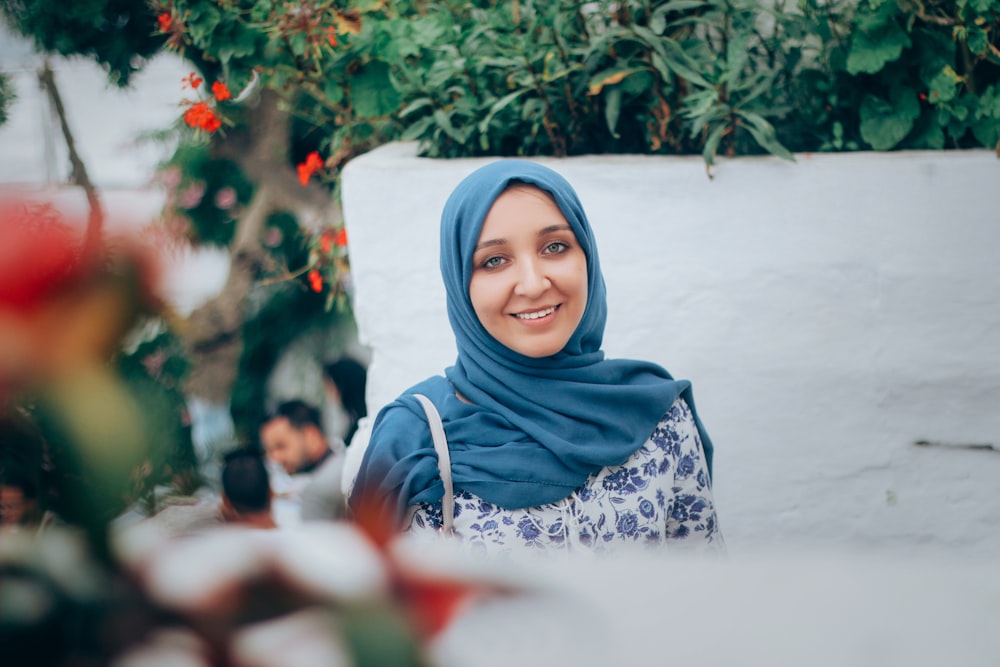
344	382
246	490
18	500
292	437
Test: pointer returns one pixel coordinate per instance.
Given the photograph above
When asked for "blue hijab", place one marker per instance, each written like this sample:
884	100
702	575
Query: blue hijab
536	428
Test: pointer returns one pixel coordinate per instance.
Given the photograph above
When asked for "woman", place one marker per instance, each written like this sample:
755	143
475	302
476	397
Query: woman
552	446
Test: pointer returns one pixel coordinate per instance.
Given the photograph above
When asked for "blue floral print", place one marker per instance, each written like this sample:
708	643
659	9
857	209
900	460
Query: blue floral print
660	495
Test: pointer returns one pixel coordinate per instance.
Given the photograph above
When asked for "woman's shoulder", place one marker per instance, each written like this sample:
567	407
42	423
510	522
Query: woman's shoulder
405	409
679	412
396	430
437	388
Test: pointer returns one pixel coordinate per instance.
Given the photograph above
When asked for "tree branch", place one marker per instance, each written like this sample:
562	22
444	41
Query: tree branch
937	20
95	221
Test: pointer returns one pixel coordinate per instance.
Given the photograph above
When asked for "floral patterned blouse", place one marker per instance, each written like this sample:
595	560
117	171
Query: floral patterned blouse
661	494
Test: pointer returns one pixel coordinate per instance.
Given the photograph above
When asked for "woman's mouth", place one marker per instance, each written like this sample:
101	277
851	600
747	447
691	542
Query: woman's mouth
536	314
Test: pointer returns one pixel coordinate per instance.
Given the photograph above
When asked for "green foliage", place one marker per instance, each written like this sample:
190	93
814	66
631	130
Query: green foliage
901	74
565	78
153	372
697	76
319	55
117	34
7	96
205	195
730	77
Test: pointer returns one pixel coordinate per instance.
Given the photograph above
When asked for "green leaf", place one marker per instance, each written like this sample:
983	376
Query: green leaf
430	31
298	44
943	86
498	106
333	89
930	137
444	122
885	123
680	62
415	105
201	22
417	129
698	104
238	43
987	132
372	91
260	10
532	107
764	134
756	85
871	51
609	77
988	104
711	147
366	5
978	41
612	108
658	21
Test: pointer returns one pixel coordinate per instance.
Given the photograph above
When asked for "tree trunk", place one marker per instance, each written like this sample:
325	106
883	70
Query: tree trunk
213	332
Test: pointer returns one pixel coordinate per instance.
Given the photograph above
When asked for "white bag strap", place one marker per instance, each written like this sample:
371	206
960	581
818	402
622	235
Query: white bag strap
444	464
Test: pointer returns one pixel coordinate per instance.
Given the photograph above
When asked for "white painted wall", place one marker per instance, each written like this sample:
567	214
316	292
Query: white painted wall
829	312
111	126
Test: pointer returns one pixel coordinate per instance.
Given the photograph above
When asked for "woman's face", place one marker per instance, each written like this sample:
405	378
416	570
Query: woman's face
529	277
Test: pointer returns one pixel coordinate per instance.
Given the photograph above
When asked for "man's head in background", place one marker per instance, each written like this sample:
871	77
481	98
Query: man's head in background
246	489
293	437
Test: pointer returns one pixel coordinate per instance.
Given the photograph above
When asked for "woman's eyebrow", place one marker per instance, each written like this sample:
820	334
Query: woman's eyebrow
554	228
489	243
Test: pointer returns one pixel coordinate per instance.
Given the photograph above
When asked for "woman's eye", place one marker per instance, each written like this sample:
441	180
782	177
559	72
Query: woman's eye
492	262
556	247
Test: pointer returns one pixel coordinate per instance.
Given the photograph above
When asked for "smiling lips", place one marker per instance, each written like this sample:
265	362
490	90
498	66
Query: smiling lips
537	314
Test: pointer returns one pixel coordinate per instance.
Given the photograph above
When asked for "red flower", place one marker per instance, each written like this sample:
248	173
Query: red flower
165	21
315	281
331	36
341	239
192	80
40	253
200	116
312	164
922	96
220	91
326	241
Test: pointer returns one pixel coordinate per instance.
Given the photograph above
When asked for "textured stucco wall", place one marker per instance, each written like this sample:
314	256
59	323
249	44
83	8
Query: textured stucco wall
829	312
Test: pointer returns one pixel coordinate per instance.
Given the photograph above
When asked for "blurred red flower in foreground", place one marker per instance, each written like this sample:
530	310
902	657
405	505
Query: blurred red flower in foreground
60	307
39	255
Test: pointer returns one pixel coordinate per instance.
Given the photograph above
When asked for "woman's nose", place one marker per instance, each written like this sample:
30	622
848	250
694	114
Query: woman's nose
531	280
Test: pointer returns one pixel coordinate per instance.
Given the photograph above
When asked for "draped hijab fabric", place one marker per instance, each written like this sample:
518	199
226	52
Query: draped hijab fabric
536	428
